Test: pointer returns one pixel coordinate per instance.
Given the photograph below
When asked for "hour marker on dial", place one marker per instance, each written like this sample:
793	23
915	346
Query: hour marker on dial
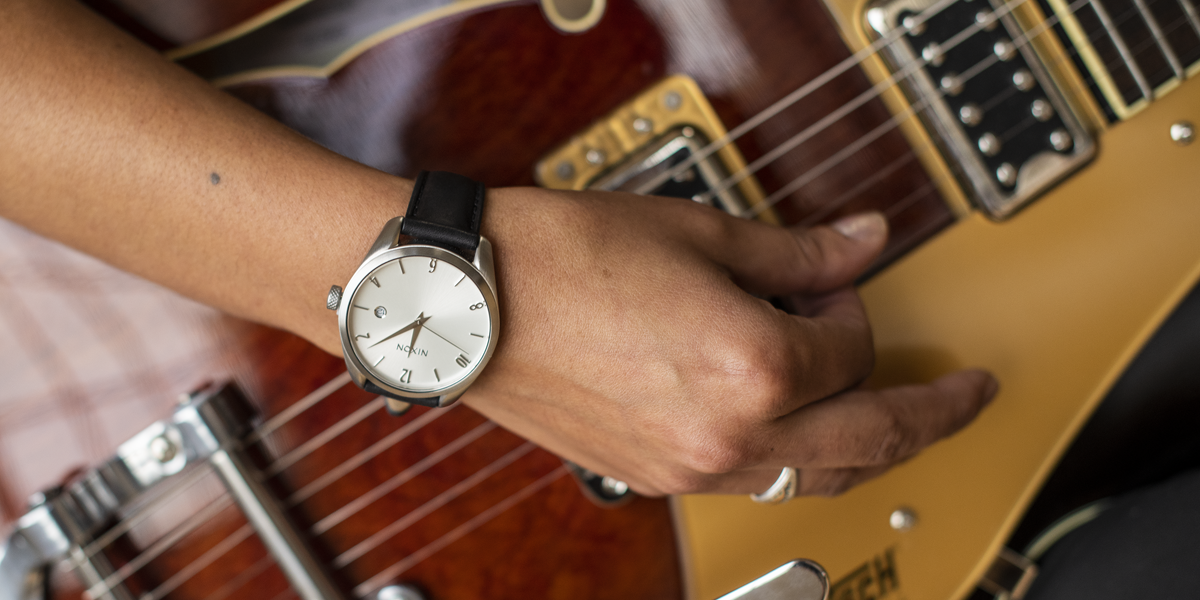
375	281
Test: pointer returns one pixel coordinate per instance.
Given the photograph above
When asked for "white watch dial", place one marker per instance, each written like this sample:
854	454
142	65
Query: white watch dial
419	324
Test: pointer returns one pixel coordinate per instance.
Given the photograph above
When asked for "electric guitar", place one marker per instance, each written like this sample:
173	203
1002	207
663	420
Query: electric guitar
1031	157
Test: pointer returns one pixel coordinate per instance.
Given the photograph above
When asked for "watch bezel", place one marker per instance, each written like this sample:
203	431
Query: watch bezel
478	272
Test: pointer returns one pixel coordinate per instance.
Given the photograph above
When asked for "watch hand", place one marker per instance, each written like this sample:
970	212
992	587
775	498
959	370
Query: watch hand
416	331
447	341
417	323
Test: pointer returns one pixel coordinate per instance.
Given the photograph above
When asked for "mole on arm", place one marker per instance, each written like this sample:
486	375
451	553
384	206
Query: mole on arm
214	178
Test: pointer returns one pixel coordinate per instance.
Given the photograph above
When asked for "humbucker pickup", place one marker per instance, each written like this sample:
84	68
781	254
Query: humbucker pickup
1000	121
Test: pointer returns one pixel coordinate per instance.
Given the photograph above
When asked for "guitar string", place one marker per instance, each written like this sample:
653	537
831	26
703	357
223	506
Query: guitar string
160	546
458	489
209	557
363	456
799	94
125	525
874	92
362	501
337	383
389	574
842	111
894	122
243	578
315	442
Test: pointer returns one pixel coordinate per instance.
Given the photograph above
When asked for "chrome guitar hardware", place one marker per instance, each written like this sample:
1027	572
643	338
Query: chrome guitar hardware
67	522
796	580
999	119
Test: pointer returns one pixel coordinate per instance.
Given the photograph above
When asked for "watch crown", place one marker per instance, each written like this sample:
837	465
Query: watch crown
335	298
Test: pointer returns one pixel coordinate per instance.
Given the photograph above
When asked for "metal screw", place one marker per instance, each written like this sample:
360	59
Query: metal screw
1006	174
933	55
902	519
162	449
399	592
989	144
643	125
613	486
673	100
970	114
1183	132
952	84
1024	80
1004	49
687	132
1041	110
986	20
1060	140
914	28
565	170
595	157
37	499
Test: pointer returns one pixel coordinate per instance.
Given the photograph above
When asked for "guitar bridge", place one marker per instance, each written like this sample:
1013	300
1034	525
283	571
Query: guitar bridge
973	77
77	521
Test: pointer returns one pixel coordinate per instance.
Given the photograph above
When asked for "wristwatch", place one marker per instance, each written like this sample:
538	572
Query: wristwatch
419	318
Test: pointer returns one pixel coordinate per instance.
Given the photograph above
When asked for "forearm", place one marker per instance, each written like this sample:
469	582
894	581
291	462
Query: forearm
110	148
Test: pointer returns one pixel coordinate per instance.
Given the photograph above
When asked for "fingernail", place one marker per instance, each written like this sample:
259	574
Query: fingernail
863	227
993	386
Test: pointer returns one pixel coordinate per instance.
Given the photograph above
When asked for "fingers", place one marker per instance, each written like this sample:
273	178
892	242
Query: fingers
777	261
864	428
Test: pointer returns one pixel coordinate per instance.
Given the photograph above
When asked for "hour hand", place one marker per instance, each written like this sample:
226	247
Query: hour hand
417	323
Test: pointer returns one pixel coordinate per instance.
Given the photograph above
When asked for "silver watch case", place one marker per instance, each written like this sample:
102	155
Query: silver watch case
388	247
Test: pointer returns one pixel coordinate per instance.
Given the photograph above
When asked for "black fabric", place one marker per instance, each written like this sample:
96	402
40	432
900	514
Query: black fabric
445	211
1146	546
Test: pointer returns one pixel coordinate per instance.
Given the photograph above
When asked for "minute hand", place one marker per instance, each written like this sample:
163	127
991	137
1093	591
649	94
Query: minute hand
447	341
420	320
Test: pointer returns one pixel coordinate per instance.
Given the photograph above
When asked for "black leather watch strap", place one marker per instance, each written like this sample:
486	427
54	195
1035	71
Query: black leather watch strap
445	211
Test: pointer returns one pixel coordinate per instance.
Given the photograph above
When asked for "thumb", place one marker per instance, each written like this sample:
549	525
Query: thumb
776	261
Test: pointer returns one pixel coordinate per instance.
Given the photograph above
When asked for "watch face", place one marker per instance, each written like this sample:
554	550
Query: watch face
419	324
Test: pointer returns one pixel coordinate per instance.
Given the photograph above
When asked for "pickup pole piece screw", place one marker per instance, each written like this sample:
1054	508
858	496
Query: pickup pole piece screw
914	28
1004	49
1023	79
933	54
986	20
989	144
1041	110
1060	140
673	100
643	125
595	157
1006	174
1183	132
952	84
970	114
162	449
902	519
399	592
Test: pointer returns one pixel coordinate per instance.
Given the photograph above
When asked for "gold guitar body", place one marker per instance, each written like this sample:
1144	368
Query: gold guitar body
1056	302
